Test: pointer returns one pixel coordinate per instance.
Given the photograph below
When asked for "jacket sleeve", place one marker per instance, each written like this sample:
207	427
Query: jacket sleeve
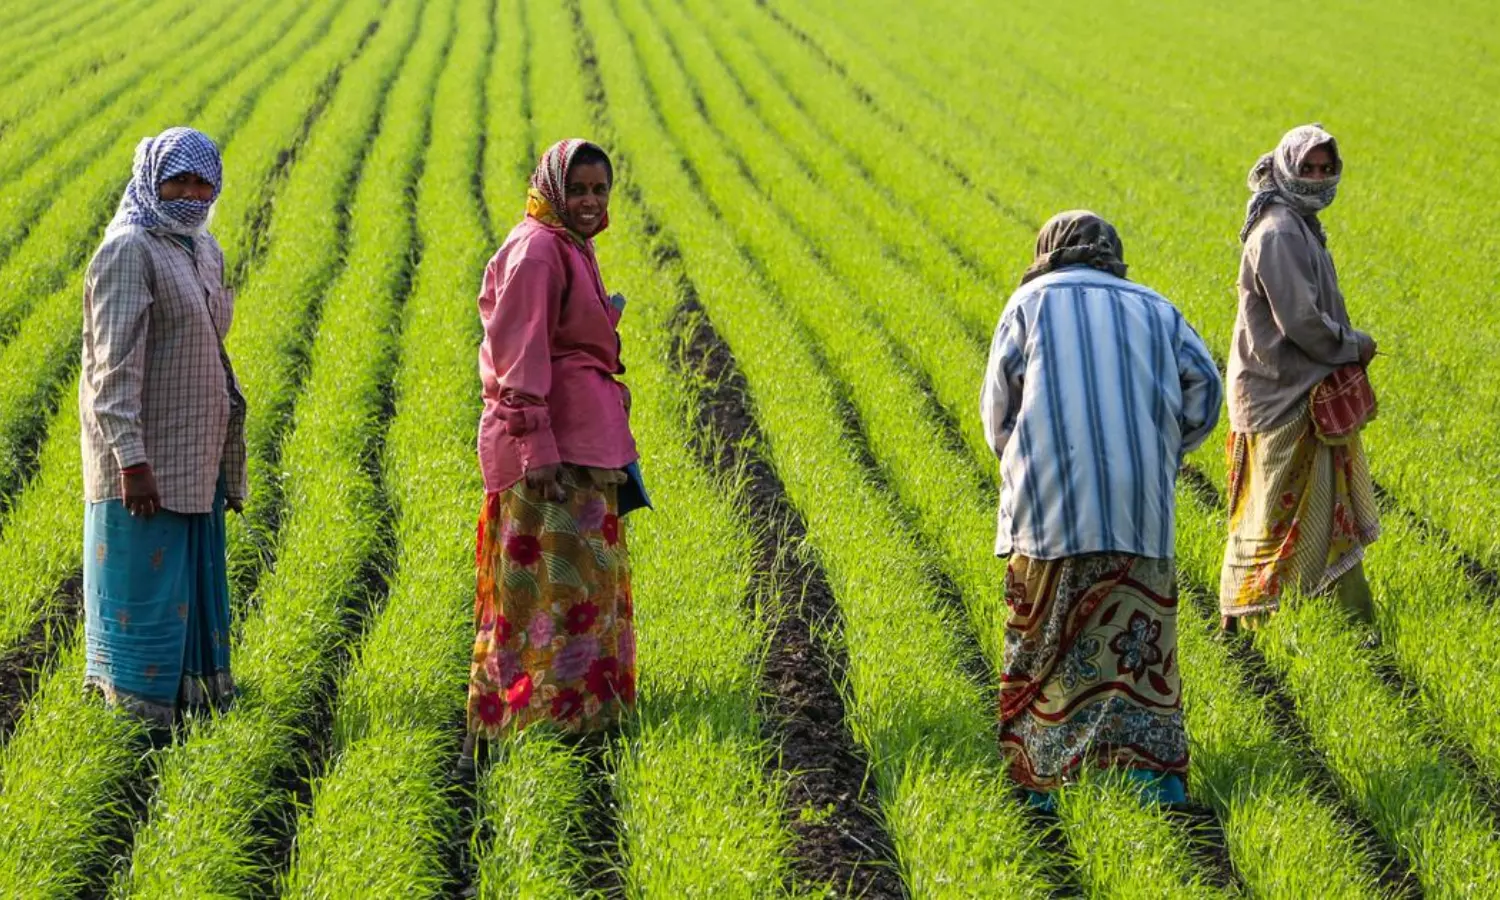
118	317
1000	397
1284	269
524	303
1202	390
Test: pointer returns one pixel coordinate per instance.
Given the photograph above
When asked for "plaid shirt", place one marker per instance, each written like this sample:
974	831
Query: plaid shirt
157	386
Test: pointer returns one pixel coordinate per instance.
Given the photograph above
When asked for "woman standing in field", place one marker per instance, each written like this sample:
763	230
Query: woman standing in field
1095	389
163	426
553	608
1301	503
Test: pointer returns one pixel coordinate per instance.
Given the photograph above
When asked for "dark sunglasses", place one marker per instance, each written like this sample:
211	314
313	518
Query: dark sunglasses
1325	169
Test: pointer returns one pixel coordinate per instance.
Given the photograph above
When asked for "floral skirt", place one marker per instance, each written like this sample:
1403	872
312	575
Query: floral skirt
552	610
1091	672
1301	513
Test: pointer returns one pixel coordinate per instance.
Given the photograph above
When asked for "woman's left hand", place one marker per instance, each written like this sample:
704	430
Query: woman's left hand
235	504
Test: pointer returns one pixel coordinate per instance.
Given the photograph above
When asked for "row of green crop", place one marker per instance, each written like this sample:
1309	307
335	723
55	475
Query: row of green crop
913	311
929	736
43	524
1181	194
65	774
385	791
50	207
36	359
23	22
76	49
220	785
80	123
1428	599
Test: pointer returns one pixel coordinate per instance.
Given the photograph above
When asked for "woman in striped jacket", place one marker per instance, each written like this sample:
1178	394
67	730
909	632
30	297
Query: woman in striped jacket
1096	388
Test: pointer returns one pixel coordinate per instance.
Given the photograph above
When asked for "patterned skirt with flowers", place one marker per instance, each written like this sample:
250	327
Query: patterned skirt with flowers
1301	513
1091	674
553	610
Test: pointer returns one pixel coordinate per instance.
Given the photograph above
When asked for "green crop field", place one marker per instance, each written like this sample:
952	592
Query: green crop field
821	208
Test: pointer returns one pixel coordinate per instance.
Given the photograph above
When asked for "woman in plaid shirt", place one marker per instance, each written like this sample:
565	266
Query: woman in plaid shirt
163	439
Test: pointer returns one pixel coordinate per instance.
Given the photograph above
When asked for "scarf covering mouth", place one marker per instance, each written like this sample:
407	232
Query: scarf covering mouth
176	151
1077	237
547	198
1276	178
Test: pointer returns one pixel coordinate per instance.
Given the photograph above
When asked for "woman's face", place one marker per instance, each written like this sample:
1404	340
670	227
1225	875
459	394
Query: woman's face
186	186
1318	165
588	197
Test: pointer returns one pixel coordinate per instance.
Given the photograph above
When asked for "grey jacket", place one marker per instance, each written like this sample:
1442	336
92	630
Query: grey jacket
156	386
1292	329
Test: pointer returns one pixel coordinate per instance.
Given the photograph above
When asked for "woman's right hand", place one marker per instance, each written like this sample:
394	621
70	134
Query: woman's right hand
547	481
138	488
1366	348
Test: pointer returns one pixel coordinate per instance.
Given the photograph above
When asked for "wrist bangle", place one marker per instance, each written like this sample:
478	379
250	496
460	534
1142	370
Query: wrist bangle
136	469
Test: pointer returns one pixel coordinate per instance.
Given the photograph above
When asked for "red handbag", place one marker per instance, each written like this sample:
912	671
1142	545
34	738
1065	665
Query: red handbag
1342	403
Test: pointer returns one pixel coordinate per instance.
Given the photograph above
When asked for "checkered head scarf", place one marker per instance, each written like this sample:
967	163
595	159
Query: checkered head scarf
1277	178
174	152
547	199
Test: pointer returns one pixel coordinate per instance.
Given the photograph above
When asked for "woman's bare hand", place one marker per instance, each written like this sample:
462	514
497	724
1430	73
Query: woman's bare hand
139	491
1367	349
547	481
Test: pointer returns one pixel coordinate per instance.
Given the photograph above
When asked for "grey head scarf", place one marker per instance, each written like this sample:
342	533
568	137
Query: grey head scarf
1276	178
1077	238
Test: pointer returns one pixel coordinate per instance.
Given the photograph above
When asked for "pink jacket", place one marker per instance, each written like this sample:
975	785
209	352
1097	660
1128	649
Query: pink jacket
548	360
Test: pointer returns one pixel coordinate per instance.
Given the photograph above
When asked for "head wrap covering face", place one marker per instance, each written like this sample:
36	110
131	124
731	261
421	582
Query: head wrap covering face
1277	178
547	198
1077	238
174	152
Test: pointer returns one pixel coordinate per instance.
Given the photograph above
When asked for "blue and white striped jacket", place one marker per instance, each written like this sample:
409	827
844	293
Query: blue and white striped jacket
1096	388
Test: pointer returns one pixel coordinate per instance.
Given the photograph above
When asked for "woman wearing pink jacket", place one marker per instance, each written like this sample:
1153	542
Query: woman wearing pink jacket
553	607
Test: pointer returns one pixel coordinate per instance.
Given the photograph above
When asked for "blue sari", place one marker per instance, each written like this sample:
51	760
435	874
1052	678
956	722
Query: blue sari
156	609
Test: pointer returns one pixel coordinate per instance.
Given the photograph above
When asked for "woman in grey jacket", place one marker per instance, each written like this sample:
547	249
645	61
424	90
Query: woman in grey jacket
1301	509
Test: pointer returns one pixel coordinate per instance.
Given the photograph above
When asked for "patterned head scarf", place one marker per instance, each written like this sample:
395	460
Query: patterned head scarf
547	199
174	152
1077	238
1276	178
